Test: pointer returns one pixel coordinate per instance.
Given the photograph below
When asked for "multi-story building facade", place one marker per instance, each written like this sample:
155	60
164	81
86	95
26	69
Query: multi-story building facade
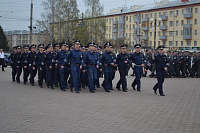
18	37
172	23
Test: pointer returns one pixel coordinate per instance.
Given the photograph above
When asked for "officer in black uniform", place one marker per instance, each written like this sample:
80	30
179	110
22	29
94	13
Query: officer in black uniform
40	62
13	64
122	63
32	63
57	77
187	64
25	63
108	63
18	63
50	66
161	66
138	62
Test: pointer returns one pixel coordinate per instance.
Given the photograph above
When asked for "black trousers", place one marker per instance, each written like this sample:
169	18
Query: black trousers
2	63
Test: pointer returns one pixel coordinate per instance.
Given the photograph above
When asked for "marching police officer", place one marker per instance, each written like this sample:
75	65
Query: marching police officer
13	63
108	62
32	63
76	60
61	58
161	66
40	62
92	62
17	59
25	63
57	77
50	66
122	63
138	61
187	64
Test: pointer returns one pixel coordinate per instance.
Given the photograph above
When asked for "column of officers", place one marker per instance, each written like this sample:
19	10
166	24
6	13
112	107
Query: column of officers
181	64
75	66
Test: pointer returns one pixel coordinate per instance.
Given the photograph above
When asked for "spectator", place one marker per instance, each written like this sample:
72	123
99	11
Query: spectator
2	58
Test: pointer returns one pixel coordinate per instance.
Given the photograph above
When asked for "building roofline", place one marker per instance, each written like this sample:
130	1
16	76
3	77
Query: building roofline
154	9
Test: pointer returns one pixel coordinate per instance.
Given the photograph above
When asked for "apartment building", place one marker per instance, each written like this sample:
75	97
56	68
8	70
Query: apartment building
174	24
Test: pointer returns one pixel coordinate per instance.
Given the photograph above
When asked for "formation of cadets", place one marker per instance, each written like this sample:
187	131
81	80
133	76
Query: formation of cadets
75	67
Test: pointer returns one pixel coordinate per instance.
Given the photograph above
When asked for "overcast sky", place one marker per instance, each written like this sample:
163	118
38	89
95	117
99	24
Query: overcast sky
15	14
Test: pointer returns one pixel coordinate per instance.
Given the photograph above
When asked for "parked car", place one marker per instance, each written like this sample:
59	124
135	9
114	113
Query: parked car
7	59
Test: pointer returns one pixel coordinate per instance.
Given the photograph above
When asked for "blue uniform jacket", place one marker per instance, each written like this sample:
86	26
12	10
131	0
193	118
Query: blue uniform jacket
40	59
24	59
31	59
138	58
75	57
161	61
92	58
108	58
62	57
121	58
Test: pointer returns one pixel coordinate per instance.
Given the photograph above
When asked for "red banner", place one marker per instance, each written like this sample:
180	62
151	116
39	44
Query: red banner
184	0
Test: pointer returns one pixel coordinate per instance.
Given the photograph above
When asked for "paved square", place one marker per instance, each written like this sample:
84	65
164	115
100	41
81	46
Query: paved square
30	109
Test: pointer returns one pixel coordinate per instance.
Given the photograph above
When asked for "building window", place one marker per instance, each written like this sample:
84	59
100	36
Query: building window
126	35
126	26
150	43
176	43
171	23
181	32
177	12
109	36
177	22
195	21
109	28
182	22
176	33
171	13
130	19
126	18
150	33
196	10
159	14
110	21
155	15
195	43
129	27
164	13
195	32
181	43
151	15
183	11
158	42
159	33
170	43
188	43
189	21
171	33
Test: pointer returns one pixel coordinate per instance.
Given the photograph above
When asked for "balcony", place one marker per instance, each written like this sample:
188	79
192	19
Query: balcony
187	26
164	18
136	20
121	30
145	38
163	37
115	22
145	20
163	27
188	15
114	30
187	37
145	28
121	21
